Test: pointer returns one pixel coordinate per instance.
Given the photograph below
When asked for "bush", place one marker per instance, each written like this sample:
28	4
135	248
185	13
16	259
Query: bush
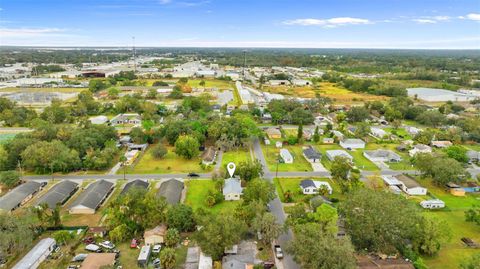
9	178
159	151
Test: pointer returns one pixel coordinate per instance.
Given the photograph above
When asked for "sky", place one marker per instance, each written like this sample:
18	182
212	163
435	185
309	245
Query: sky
407	24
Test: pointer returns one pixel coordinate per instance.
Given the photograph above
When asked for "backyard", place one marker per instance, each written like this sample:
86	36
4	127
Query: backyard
197	192
299	164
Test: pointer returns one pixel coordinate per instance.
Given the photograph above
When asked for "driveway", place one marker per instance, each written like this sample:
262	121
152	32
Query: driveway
318	167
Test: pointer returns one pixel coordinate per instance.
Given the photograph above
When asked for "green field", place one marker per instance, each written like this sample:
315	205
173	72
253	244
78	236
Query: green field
5	137
197	192
235	156
299	164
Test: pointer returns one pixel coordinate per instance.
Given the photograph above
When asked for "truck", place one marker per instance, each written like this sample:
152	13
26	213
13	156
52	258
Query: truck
278	252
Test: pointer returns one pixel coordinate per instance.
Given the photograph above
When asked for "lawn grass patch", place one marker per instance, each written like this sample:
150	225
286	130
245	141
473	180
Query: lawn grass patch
299	164
197	192
235	156
283	185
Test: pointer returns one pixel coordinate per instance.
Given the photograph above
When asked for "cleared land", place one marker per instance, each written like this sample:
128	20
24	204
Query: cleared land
236	156
197	192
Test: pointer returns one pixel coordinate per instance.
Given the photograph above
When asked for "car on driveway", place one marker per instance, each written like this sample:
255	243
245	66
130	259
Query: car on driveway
278	252
156	248
107	245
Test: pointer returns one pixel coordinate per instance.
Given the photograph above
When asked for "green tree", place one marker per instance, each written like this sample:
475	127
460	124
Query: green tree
9	179
431	118
113	92
202	83
187	147
259	190
16	233
327	217
159	151
138	136
340	168
363	130
176	93
441	170
300	132
95	85
248	170
473	214
358	114
119	234
49	216
431	235
63	237
172	237
151	94
316	135
168	258
473	262
51	156
266	224
457	153
180	217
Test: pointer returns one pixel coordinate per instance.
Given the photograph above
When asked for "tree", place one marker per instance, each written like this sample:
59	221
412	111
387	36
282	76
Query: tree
176	93
159	151
218	233
172	237
259	190
266	224
431	118
473	214
51	156
358	114
187	147
457	153
327	217
63	237
316	135
431	235
95	85
151	94
9	179
119	233
340	168
248	170
180	217
202	83
441	170
473	262
168	258
49	216
363	129
300	132
138	136
113	92
17	233
315	250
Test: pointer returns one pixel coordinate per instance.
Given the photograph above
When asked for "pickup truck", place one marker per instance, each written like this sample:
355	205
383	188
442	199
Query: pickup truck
278	251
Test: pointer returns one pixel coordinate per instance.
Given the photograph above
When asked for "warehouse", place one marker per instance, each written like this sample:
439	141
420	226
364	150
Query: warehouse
20	195
439	95
91	199
58	194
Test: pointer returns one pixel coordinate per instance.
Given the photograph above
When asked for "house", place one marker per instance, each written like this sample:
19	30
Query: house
124	140
352	143
307	134
406	184
455	189
209	155
156	235
98	260
232	190
37	254
286	156
91	198
279	144
381	155
97	231
99	120
266	118
312	155
338	135
58	194
138	147
171	190
278	82
134	184
196	259
412	130
130	119
378	132
328	140
441	144
419	148
432	204
273	133
332	154
473	156
309	186
20	195
301	82
243	256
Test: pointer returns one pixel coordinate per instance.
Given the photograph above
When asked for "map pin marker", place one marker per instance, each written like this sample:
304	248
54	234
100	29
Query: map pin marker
231	169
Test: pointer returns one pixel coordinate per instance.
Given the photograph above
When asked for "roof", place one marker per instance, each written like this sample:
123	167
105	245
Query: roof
159	230
380	153
232	185
312	153
15	197
93	195
408	181
273	131
307	183
209	154
353	141
58	194
35	254
134	184
338	152
97	260
285	154
171	190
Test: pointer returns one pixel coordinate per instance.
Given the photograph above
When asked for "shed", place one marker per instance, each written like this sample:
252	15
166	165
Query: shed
97	231
273	133
352	143
172	190
58	194
92	197
137	183
232	190
286	156
37	254
98	260
432	204
20	195
156	235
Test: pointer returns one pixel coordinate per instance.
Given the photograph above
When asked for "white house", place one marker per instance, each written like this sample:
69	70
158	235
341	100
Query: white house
406	184
309	186
381	155
432	204
331	154
131	118
275	82
286	156
99	120
352	143
301	82
419	148
232	190
378	132
312	155
412	130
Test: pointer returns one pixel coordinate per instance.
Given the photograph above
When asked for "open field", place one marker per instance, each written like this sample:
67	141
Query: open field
170	164
299	163
197	192
236	156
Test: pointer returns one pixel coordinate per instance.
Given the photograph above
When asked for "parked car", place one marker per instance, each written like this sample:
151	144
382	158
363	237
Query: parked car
278	251
107	245
193	175
89	240
156	263
93	248
134	243
156	248
80	257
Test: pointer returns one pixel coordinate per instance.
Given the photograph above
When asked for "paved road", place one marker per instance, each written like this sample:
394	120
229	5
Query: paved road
111	177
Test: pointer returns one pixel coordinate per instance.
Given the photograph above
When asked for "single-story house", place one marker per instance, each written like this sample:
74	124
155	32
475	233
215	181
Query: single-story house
196	259
92	197
98	260
243	256
286	156
406	184
99	120
232	190
58	194
301	82
130	118
172	190
279	144
266	118
37	254
352	143
278	82
332	154
381	155
309	186
209	155
137	183
473	156
419	148
273	133
125	140
328	140
441	144
139	147
312	155
156	235
20	195
378	132
432	204
338	134
97	231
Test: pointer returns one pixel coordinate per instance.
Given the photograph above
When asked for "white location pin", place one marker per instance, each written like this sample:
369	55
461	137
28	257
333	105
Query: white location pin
231	169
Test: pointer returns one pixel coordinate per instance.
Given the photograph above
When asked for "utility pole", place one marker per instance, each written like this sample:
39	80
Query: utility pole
20	170
134	56
244	63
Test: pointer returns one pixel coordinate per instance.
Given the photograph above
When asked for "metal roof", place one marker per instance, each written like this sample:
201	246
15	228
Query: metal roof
14	198
232	185
312	153
58	194
93	196
171	190
35	254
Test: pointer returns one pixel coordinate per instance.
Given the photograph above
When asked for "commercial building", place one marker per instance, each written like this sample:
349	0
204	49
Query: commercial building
439	95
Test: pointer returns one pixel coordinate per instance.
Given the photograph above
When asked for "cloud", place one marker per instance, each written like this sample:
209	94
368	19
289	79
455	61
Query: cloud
473	16
441	18
164	2
328	23
425	21
29	32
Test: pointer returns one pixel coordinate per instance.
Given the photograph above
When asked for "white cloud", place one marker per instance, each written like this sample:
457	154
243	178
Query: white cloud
473	16
425	21
441	18
164	2
328	23
28	32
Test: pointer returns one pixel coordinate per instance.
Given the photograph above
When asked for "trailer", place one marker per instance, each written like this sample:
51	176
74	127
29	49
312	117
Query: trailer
143	257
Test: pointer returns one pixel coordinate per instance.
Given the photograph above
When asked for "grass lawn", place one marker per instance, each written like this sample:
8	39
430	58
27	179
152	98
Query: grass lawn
293	185
400	132
197	191
170	164
299	164
211	83
236	156
361	162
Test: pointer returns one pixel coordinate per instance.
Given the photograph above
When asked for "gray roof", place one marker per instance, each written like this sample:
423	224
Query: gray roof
471	154
307	183
35	254
58	194
93	195
312	153
171	190
380	153
232	185
134	184
14	198
331	154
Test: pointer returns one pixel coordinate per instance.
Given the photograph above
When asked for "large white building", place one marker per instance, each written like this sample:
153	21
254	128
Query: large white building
439	95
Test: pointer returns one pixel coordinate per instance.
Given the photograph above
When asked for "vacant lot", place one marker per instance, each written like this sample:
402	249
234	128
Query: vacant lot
236	156
197	192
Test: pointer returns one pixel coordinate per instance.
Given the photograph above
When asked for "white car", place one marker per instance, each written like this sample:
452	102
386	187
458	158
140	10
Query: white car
93	248
278	252
107	245
156	248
